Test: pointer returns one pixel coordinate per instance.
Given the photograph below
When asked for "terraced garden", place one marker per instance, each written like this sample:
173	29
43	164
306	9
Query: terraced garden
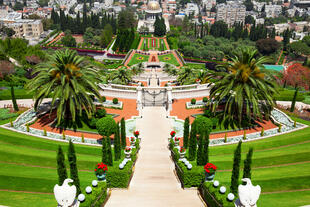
169	58
138	58
281	166
28	165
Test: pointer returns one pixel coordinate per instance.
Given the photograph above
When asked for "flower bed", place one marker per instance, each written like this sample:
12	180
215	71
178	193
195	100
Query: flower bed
89	50
198	104
116	55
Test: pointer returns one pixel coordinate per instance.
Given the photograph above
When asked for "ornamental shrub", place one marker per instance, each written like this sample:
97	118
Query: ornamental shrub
44	132
193	101
61	167
190	178
109	152
123	133
82	138
73	167
244	135
100	113
117	144
225	137
206	148
200	156
115	101
97	197
207	113
192	144
106	126
64	135
215	122
262	132
247	164
186	133
205	99
92	123
103	99
280	127
235	171
28	129
203	124
104	157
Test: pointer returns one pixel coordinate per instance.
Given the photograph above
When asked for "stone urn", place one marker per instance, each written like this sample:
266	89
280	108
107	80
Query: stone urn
209	176
101	177
176	142
128	154
182	155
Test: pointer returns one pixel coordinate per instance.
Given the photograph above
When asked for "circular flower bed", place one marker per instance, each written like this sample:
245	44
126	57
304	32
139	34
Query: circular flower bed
140	58
167	58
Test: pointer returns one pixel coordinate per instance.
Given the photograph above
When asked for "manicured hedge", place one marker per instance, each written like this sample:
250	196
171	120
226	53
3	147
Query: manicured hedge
189	178
213	197
97	197
117	178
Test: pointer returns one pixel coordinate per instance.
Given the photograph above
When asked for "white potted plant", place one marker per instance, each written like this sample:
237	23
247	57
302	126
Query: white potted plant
182	152
176	141
127	152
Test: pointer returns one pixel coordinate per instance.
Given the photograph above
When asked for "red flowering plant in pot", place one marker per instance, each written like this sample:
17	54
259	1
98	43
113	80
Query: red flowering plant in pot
210	170
176	141
182	152
132	141
172	134
100	171
127	152
136	133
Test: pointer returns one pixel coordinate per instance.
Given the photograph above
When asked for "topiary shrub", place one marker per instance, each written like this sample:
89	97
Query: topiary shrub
215	122
92	123
103	98
100	113
115	101
106	126
193	101
203	124
205	99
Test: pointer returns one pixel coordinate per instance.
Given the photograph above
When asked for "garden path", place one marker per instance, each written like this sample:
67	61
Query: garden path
153	182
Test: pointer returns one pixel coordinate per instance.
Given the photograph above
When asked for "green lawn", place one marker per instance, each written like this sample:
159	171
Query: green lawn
29	164
281	163
169	58
135	59
20	93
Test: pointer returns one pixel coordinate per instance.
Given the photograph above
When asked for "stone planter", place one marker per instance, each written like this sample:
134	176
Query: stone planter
176	143
133	144
101	177
128	155
182	155
209	177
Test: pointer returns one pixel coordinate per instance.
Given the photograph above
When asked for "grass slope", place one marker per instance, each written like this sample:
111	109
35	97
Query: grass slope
280	165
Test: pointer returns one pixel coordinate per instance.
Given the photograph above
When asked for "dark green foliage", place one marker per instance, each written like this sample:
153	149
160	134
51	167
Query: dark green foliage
267	46
206	148
15	106
115	101
192	143
100	113
103	98
200	156
106	126
73	167
219	29
205	99
92	122
247	164
61	167
109	152
235	171
68	41
190	178
294	100
97	197
123	133
203	124
119	178
159	27
186	133
193	101
117	144
104	157
213	197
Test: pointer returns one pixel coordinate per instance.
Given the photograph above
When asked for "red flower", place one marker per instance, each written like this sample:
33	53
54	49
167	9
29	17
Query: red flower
136	133
182	149
101	167
132	139
172	133
127	149
209	167
177	139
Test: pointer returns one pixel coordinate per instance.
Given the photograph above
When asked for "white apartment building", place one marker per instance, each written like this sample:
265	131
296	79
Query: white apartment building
26	28
191	8
230	12
273	10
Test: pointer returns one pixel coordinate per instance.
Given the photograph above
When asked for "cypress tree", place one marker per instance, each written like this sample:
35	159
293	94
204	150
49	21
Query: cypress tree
15	106
206	148
117	144
73	168
201	31
186	133
200	157
235	171
109	152
192	143
123	133
294	99
247	164
61	167
104	151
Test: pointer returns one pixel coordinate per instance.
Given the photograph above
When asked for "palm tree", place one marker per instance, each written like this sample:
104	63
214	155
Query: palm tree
245	89
122	76
186	75
138	69
202	75
67	78
170	70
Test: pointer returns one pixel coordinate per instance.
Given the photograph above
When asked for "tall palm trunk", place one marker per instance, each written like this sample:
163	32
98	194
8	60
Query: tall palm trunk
14	99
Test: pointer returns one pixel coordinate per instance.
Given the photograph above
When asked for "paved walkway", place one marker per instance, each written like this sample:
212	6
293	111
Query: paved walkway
153	182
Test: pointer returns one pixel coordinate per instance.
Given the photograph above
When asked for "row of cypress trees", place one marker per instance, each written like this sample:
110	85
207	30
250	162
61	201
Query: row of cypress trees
236	168
62	170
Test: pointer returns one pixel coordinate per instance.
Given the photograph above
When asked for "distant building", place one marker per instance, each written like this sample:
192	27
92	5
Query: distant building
191	9
273	10
230	12
26	28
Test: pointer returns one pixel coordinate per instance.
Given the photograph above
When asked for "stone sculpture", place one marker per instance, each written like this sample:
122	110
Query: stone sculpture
248	194
65	194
